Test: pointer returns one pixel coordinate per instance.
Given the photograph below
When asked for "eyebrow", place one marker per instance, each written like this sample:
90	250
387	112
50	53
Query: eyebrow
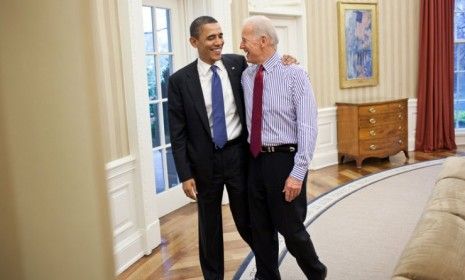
214	35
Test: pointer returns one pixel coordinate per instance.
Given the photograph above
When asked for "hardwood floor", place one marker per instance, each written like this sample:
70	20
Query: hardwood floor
177	255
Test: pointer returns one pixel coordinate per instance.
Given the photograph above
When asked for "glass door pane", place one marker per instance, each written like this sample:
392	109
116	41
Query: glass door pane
459	64
159	66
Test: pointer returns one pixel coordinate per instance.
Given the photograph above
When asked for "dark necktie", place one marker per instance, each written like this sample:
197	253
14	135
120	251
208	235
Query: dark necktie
220	136
256	129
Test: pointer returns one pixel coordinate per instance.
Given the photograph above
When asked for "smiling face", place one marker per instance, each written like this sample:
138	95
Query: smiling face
209	43
252	45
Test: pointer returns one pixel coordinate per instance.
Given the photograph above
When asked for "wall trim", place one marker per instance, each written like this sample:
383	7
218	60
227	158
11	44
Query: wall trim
291	8
460	136
120	166
131	238
128	252
151	233
326	144
412	122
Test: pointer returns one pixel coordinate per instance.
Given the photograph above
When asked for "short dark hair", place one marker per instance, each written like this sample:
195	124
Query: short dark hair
197	24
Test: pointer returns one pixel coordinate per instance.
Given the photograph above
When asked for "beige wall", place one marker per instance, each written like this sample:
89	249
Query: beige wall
398	22
53	202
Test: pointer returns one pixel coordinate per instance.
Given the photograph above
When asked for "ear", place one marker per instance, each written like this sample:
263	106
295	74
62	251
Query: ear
264	41
193	41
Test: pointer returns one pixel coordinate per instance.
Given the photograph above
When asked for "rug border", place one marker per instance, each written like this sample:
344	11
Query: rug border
377	177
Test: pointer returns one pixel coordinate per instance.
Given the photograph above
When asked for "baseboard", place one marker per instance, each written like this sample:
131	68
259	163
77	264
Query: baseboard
326	145
412	123
128	252
323	159
152	237
132	238
460	137
131	249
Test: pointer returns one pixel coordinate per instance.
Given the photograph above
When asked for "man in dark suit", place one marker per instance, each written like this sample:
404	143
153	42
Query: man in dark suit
208	137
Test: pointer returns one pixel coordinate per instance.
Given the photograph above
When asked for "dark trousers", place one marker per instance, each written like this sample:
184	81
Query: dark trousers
230	168
270	214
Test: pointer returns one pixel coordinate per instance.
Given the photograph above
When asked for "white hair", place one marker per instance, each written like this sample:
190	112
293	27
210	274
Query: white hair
263	26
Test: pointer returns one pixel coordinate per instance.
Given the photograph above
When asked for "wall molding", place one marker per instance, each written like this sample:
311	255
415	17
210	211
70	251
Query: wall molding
412	123
121	195
282	7
131	238
460	137
119	167
326	144
128	252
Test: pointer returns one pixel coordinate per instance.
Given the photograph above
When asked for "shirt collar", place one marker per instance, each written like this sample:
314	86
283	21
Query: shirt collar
271	62
204	67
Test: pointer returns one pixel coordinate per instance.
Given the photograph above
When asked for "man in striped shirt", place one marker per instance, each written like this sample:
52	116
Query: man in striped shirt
281	117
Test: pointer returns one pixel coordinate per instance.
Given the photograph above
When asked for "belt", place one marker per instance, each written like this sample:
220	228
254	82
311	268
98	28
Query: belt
230	143
286	148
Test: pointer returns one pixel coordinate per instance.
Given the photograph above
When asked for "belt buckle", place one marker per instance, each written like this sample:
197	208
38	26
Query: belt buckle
291	149
269	149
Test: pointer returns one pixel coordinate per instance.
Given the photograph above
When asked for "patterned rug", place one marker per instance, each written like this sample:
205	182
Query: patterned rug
360	228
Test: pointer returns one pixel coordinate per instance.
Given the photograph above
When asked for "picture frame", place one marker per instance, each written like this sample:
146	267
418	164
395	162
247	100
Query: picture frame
358	44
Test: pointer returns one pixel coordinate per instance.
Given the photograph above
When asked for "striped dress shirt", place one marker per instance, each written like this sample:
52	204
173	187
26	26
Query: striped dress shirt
289	109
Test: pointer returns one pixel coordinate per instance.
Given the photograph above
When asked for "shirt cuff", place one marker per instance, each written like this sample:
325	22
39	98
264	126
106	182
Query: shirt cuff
298	173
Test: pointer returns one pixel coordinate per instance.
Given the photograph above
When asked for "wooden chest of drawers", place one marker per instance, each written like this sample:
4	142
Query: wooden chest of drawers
377	129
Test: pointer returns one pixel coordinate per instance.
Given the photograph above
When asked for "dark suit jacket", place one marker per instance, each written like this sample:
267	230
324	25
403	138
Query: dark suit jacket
191	137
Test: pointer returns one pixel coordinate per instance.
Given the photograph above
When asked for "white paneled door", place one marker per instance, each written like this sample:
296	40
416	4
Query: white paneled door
291	36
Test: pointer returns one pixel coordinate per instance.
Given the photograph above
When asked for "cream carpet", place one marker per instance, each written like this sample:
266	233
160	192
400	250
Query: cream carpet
360	229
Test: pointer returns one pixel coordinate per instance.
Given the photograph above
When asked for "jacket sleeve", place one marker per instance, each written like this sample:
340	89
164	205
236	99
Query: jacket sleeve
178	130
244	63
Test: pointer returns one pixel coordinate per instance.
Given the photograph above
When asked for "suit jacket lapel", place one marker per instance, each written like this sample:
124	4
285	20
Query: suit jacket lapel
195	90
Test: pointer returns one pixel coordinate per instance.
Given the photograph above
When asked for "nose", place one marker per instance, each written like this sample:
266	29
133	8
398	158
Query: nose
219	41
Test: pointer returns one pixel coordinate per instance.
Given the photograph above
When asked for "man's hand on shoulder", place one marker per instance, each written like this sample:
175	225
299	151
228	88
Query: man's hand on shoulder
288	60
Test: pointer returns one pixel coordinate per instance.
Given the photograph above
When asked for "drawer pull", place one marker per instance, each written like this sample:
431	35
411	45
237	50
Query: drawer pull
372	147
400	116
400	106
372	110
372	121
372	132
400	142
400	127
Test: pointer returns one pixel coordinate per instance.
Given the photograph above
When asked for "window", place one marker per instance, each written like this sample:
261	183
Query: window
159	66
459	64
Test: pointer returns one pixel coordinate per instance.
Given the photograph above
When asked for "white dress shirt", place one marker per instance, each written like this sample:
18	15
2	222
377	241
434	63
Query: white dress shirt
233	123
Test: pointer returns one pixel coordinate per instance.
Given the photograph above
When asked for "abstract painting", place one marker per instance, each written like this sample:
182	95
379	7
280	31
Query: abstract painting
358	44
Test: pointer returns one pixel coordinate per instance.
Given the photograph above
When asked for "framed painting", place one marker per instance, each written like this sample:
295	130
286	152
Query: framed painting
358	44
